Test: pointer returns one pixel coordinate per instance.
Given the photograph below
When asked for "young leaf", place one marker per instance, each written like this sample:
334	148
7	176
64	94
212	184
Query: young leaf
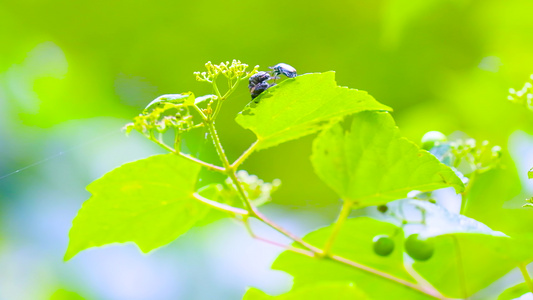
463	246
354	242
301	106
371	164
319	292
514	292
148	202
185	98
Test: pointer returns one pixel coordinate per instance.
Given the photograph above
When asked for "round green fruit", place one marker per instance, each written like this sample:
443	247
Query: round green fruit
418	248
383	208
432	139
383	245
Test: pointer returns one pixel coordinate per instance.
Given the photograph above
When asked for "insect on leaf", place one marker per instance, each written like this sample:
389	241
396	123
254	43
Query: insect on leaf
300	106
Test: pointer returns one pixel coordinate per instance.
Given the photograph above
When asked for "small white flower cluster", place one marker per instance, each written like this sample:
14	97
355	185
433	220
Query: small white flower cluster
523	96
256	189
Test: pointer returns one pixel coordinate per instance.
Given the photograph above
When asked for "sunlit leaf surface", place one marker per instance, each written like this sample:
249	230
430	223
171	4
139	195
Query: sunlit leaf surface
354	242
514	292
301	106
148	202
372	164
463	249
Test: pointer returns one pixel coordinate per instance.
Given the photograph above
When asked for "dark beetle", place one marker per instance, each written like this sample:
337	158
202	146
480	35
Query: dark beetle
258	83
258	78
257	89
284	69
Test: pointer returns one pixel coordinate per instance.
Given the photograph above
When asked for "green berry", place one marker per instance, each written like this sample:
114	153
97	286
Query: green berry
383	245
432	139
383	208
418	248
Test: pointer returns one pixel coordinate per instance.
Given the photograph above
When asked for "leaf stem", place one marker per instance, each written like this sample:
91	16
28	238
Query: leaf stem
221	206
202	114
523	269
465	193
253	212
286	247
227	167
313	251
343	215
209	166
283	231
244	156
186	156
430	292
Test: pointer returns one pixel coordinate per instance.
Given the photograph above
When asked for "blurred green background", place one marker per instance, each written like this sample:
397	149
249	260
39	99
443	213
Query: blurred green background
73	72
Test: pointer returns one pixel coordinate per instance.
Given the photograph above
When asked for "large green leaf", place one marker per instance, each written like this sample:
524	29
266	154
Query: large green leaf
514	292
301	106
372	164
148	202
338	291
468	255
354	242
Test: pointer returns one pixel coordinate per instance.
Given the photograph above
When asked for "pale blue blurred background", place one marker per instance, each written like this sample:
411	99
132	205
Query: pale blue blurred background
72	73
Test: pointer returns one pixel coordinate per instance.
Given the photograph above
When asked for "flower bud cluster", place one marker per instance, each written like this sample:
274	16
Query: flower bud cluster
160	119
523	96
258	191
233	70
479	156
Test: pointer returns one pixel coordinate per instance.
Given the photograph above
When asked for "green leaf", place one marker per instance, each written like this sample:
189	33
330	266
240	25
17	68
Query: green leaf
530	173
336	291
463	246
185	98
440	221
514	292
204	98
256	294
529	202
354	242
371	164
148	202
62	294
301	106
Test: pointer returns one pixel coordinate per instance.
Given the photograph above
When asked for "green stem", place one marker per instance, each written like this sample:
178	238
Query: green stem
186	156
218	146
209	166
464	194
343	215
430	292
523	269
221	206
244	156
286	233
230	171
217	92
227	167
314	251
285	247
199	110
